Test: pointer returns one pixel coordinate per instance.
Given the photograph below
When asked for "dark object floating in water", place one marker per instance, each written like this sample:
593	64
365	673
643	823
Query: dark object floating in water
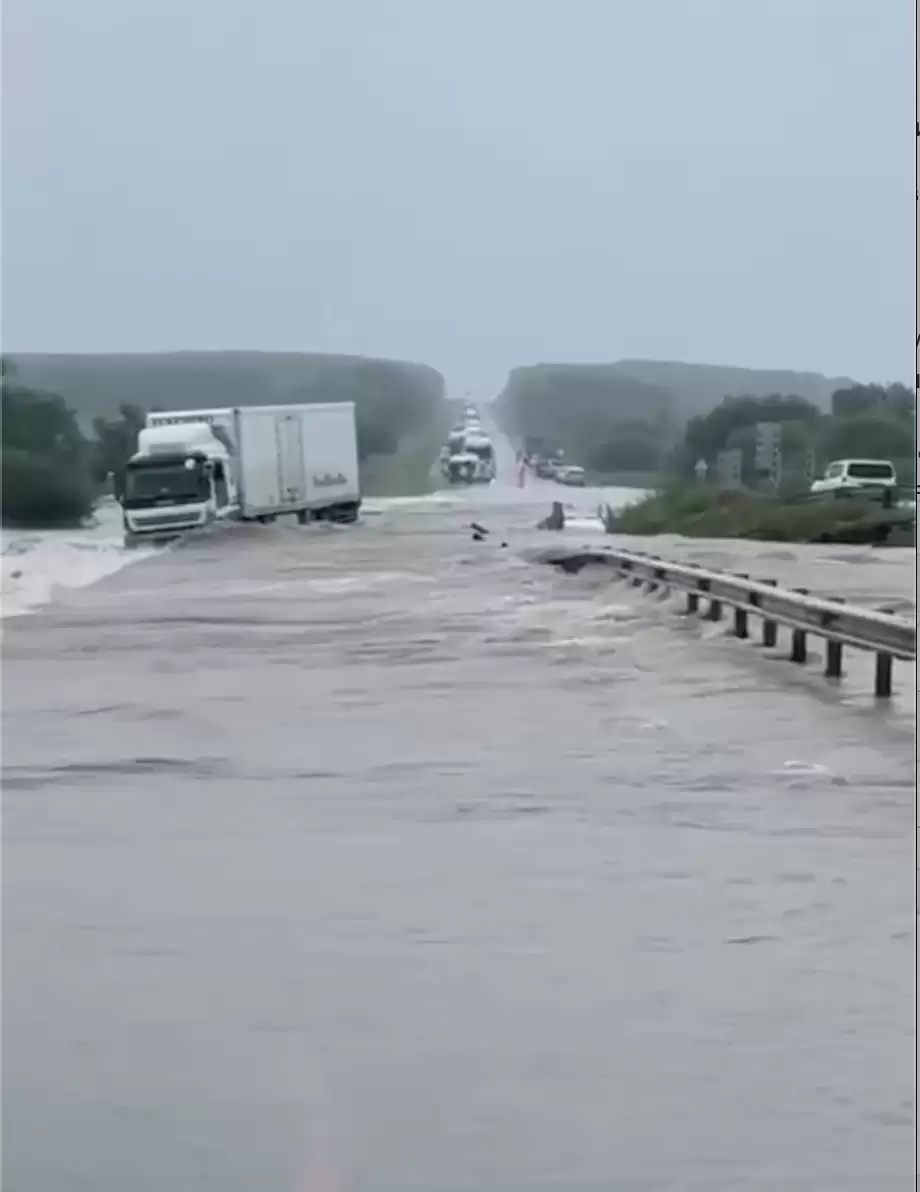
556	519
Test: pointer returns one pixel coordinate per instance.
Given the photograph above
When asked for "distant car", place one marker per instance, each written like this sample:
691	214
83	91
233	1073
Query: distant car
545	469
572	476
853	474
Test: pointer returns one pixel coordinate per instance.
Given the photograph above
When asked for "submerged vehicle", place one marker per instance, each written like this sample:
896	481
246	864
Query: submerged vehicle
195	467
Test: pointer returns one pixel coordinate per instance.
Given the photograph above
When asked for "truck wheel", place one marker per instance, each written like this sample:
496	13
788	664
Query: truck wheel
348	514
302	517
130	541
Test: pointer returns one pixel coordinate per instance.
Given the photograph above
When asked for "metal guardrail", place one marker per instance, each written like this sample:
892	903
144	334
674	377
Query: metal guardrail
839	624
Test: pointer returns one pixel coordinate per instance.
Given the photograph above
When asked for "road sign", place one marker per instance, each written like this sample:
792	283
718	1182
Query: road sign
728	468
768	451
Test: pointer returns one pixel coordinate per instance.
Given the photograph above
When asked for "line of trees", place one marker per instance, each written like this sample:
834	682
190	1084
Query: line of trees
46	460
52	474
865	421
601	417
610	421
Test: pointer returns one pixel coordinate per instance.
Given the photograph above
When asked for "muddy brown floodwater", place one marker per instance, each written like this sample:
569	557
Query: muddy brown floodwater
377	859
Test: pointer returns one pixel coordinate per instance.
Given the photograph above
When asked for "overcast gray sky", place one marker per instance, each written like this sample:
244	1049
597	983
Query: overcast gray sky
472	183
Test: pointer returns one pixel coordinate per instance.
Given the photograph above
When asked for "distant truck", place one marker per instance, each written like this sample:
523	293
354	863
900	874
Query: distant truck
461	468
252	463
479	446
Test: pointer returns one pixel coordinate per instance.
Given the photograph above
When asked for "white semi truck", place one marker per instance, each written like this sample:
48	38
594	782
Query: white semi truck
468	458
252	463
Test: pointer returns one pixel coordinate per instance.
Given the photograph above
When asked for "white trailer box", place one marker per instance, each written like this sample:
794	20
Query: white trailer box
299	459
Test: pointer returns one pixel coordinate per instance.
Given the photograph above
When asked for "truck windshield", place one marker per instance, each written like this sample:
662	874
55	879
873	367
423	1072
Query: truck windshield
164	484
484	452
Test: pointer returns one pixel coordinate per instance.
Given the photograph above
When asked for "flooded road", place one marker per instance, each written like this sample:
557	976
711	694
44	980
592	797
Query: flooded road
378	859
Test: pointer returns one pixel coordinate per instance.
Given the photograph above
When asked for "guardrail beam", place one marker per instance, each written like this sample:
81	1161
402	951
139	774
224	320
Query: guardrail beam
879	631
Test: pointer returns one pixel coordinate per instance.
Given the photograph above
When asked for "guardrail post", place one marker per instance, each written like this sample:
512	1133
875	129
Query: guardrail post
693	598
799	651
833	663
660	582
741	617
768	639
714	612
883	666
883	676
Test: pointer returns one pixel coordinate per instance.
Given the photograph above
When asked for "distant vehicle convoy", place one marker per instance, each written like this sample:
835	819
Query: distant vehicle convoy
255	463
552	466
469	456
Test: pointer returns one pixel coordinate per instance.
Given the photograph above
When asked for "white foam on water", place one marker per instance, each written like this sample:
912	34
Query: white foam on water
36	565
442	497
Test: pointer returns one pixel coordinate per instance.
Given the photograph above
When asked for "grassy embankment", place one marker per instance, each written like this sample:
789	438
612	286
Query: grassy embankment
709	513
640	480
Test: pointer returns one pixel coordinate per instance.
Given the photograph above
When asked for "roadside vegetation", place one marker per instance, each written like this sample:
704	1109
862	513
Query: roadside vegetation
864	421
630	428
411	470
703	512
46	461
652	420
603	420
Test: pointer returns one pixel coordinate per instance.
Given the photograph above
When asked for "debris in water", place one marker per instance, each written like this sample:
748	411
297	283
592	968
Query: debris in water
556	519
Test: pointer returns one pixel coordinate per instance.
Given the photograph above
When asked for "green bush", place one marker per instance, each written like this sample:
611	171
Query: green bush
37	492
702	512
46	471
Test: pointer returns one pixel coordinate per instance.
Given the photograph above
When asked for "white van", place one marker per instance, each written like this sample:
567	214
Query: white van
855	474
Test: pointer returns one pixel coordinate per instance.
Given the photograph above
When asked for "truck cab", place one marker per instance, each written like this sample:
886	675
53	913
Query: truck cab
480	447
461	468
181	477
